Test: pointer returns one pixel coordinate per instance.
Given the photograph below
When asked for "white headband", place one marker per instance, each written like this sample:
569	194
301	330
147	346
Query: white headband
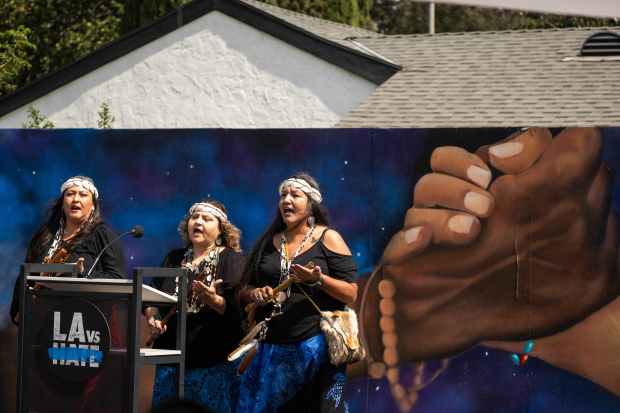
81	182
303	185
210	208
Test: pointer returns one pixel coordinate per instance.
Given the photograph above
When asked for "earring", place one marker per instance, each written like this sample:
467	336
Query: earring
218	241
311	221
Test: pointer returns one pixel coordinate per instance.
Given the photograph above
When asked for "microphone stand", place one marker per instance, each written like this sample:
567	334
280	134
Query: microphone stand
136	231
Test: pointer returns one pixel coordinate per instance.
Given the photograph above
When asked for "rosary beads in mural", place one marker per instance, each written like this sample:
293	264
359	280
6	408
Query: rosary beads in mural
520	360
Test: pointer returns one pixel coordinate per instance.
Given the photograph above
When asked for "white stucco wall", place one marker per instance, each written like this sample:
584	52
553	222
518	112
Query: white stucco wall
213	72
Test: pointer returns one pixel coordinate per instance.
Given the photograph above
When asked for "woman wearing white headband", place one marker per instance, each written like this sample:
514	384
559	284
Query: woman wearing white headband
74	232
212	253
291	371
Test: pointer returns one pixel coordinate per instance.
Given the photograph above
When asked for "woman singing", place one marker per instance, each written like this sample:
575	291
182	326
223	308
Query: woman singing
291	371
75	232
212	254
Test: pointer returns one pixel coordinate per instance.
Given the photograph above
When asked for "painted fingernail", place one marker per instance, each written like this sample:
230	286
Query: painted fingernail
479	175
412	234
461	224
476	203
506	150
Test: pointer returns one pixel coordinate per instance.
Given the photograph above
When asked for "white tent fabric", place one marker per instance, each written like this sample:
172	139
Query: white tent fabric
593	8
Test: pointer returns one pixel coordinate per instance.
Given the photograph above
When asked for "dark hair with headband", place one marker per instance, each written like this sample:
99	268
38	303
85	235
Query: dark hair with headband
319	212
231	235
42	238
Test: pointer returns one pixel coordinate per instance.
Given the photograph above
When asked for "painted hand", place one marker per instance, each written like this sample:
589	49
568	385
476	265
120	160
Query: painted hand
526	256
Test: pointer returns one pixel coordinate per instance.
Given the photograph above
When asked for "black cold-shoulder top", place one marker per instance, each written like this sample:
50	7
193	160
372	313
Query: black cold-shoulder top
300	319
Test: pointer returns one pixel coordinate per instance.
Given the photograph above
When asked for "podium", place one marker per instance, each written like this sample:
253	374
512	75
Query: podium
79	344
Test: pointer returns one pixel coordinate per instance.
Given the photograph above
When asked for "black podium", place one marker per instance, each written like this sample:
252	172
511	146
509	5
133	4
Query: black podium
79	344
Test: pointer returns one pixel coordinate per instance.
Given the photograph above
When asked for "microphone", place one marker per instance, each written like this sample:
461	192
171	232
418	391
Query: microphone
137	232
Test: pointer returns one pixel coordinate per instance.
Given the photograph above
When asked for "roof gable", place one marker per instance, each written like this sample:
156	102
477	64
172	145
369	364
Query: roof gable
368	67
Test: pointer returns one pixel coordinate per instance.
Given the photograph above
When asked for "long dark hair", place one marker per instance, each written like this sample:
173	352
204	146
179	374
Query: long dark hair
40	241
277	225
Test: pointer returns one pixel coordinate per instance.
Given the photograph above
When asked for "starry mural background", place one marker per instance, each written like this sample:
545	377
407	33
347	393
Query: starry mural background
151	177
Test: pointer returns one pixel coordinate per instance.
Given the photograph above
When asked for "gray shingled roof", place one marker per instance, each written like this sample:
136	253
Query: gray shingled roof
475	79
324	28
487	79
478	79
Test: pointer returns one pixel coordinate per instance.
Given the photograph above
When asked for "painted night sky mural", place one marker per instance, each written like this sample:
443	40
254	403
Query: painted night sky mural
151	177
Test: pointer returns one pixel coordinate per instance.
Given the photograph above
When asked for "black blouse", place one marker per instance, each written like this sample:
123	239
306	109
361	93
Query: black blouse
110	265
210	336
300	319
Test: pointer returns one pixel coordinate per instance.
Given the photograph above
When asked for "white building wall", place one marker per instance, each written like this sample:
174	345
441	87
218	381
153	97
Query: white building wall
215	72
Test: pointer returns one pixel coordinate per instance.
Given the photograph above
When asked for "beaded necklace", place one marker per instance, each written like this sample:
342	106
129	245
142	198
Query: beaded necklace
286	262
60	245
203	270
55	242
259	332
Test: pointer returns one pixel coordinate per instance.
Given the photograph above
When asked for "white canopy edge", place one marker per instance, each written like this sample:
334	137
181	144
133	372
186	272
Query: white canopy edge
592	8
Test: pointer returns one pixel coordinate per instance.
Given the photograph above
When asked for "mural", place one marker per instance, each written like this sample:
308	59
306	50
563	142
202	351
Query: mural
493	251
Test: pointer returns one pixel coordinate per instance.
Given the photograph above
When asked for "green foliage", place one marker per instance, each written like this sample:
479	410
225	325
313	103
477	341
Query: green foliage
137	13
41	36
35	120
60	31
106	118
38	37
15	47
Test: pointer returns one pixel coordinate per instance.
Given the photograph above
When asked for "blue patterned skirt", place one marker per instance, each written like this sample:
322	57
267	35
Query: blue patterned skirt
292	377
213	387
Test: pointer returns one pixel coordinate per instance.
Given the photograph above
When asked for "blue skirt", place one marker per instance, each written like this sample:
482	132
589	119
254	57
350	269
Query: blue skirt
215	387
296	377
